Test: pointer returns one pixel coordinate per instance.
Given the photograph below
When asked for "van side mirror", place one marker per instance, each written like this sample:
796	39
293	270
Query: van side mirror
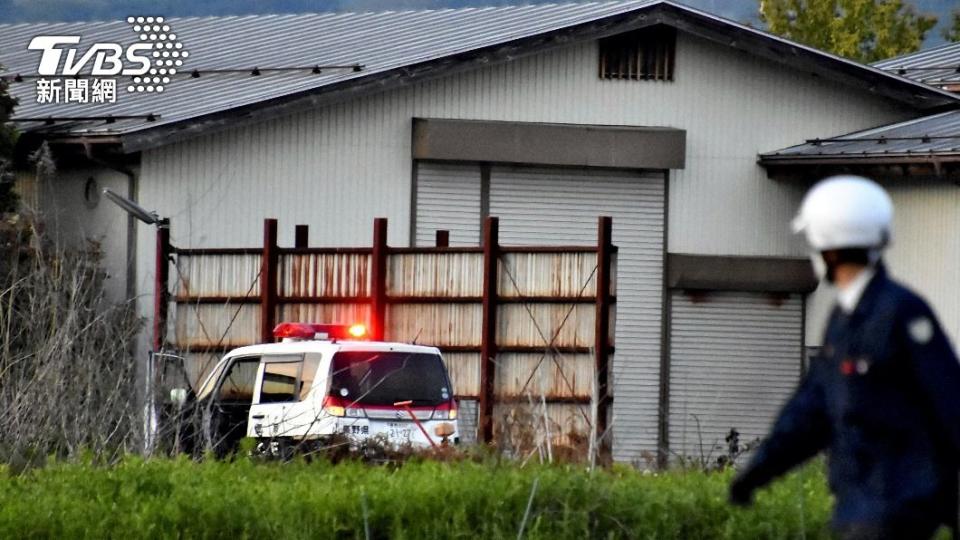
178	396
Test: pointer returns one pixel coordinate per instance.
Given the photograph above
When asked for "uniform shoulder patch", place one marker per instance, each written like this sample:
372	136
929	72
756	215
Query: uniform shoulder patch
921	330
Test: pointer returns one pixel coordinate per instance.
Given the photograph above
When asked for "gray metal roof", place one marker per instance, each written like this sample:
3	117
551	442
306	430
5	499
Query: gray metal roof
937	135
391	46
378	41
939	66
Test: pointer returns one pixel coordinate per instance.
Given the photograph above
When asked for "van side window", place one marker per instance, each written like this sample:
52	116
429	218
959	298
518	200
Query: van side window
239	380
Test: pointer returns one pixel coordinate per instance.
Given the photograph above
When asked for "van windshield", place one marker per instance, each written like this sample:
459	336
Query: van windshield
386	377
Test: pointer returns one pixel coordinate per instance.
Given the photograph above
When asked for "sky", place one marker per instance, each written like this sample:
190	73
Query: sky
78	10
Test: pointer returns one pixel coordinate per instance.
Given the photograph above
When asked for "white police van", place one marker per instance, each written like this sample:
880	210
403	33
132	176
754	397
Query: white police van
324	382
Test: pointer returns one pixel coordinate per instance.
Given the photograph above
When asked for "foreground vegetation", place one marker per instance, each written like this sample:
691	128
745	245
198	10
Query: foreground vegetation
465	499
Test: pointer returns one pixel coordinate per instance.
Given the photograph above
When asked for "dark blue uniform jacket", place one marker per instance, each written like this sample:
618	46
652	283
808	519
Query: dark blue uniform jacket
884	399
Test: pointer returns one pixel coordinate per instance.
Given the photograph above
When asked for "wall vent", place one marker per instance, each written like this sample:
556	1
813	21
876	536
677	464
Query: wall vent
642	55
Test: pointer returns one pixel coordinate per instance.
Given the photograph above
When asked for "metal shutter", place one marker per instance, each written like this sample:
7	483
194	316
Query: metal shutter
561	206
735	357
448	198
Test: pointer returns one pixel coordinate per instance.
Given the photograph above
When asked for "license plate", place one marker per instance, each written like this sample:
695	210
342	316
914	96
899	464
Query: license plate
398	432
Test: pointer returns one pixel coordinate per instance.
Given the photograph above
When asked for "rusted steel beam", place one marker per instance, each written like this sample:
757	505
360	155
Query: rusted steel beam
218	251
268	281
434	299
378	280
327	299
526	399
526	349
548	249
432	249
324	251
443	239
187	300
161	292
551	299
558	400
602	331
488	340
279	300
301	236
323	300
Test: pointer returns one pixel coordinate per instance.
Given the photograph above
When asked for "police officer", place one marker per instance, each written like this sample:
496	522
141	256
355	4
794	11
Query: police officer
883	397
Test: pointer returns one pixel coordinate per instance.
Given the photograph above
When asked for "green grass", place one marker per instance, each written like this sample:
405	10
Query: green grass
243	499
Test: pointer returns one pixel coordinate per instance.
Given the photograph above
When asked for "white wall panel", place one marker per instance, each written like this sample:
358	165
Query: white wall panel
74	218
338	167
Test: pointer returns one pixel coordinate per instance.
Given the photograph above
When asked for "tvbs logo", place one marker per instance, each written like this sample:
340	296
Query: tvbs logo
150	61
108	58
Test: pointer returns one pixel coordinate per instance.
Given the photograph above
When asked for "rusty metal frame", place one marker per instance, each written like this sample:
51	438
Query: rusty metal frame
488	343
378	280
602	322
376	297
161	284
268	280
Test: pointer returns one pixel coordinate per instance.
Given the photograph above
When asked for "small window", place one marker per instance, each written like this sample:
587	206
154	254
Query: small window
280	381
646	54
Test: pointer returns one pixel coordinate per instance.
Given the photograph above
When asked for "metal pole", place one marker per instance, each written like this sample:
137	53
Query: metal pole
378	280
268	281
488	344
602	329
161	293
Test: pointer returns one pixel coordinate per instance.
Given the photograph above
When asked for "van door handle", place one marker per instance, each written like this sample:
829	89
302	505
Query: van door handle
257	417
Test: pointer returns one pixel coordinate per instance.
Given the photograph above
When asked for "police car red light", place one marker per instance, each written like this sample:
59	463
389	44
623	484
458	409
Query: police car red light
296	330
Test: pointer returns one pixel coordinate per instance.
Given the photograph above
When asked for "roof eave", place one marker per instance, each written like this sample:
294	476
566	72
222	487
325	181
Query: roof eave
870	160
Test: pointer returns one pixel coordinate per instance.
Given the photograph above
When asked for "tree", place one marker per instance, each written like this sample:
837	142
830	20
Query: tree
863	30
952	32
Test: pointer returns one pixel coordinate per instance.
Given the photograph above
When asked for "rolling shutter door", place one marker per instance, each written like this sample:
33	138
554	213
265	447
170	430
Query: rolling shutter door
560	207
448	198
735	358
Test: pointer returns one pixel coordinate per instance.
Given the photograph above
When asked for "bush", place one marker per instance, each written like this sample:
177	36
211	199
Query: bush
244	499
68	380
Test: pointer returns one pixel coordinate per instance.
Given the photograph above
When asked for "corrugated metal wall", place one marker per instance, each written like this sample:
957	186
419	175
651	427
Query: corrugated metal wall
925	252
735	358
311	167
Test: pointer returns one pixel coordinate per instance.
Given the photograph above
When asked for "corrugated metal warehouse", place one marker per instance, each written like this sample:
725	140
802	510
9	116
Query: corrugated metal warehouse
666	118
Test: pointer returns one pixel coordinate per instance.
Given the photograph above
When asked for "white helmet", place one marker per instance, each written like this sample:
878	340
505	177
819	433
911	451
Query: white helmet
845	212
